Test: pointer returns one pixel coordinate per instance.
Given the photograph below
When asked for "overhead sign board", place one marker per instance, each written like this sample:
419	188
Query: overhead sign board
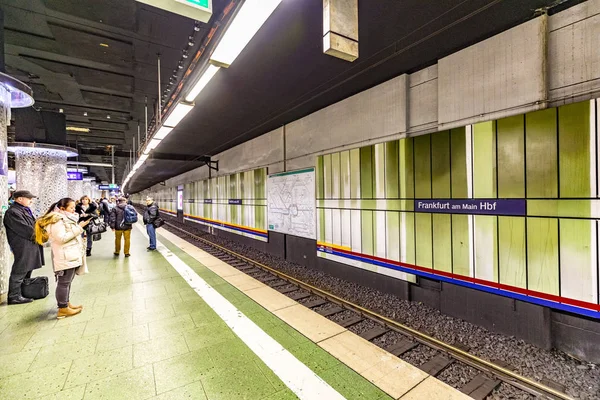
200	10
109	187
75	176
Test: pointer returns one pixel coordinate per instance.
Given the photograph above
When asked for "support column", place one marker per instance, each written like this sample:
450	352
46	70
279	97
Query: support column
87	189
44	173
75	189
13	94
5	254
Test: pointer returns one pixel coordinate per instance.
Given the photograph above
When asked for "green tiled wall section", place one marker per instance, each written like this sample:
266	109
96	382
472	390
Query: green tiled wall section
249	186
365	201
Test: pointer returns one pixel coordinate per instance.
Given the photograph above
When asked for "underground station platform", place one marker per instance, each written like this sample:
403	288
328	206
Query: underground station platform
179	323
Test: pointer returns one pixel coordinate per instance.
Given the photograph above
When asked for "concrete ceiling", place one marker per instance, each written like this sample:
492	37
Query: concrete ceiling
97	57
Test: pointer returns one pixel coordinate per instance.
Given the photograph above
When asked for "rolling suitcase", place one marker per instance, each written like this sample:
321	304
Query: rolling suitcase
35	288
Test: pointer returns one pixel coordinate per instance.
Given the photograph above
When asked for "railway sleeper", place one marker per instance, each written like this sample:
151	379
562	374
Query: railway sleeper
281	283
355	319
330	311
480	387
315	303
289	290
401	347
299	295
436	365
374	333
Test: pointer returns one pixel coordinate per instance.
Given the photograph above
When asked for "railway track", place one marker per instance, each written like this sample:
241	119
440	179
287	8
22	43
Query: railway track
347	314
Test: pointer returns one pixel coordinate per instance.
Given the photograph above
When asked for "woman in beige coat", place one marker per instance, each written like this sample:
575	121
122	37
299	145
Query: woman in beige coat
59	226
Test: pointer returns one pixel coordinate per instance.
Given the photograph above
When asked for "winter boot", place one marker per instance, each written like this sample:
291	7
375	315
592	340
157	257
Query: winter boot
66	312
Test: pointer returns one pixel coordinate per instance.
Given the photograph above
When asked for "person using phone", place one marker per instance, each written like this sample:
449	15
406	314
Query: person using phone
87	210
61	226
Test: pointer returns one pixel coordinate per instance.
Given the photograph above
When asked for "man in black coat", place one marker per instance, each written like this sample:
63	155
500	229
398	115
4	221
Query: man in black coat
19	223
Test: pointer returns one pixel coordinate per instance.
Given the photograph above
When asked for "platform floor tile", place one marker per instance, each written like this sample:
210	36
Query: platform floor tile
144	333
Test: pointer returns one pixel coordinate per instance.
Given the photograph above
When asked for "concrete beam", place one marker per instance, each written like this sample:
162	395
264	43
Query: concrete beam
340	29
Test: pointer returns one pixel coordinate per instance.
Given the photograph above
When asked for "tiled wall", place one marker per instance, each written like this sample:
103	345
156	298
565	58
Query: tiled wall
236	203
366	217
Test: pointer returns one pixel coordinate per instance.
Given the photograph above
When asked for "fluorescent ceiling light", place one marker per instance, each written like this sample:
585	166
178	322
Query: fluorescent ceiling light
143	157
77	129
203	81
178	113
153	143
163	132
246	23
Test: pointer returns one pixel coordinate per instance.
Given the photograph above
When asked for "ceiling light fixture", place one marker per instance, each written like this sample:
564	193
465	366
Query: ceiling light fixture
152	145
77	129
163	132
104	44
202	82
246	23
180	65
108	116
190	41
178	113
185	54
143	157
197	26
60	110
85	113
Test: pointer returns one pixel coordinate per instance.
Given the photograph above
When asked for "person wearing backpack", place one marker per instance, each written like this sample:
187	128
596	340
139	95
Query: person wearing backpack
122	218
152	221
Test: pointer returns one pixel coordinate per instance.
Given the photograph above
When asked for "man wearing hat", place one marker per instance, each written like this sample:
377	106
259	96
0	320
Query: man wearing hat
19	223
150	217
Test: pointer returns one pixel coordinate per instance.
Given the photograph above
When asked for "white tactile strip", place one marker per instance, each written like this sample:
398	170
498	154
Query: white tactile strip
294	374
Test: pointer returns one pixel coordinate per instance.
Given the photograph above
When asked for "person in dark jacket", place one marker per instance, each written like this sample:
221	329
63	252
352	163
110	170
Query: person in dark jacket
87	209
118	225
150	216
28	255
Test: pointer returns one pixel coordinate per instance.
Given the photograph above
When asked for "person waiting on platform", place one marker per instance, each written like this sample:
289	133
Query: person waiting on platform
28	255
151	216
87	210
120	227
60	226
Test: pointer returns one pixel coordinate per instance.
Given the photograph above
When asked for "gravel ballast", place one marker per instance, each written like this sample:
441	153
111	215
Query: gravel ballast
581	379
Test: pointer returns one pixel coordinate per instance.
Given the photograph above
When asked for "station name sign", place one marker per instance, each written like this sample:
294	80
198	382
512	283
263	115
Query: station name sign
108	187
75	176
235	201
473	206
207	201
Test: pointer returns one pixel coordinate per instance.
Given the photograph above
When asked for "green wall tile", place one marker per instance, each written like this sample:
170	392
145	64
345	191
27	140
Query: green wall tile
461	245
572	208
319	172
392	224
366	172
379	171
367	232
391	170
440	165
486	247
407	237
574	143
345	174
511	157
405	168
484	160
458	143
540	153
355	173
423	237
422	160
511	250
327	176
578	264
442	242
542	255
321	225
336	174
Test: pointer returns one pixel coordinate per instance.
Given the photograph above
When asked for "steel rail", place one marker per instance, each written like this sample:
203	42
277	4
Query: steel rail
502	373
